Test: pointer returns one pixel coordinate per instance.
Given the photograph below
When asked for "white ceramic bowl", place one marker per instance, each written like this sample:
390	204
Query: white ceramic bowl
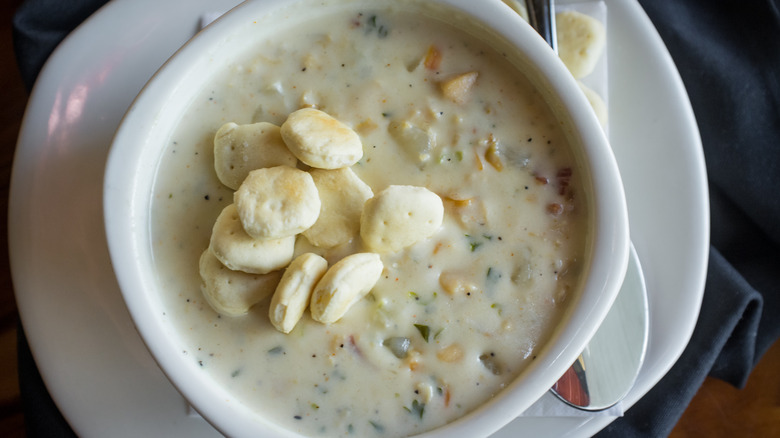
147	126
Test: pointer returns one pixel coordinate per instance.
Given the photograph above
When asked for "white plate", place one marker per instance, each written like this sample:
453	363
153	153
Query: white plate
91	358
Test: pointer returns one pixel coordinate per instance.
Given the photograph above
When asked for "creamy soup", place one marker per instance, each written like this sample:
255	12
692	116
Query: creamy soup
454	318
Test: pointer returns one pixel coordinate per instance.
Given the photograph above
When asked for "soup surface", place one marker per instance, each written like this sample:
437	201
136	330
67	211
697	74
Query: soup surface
454	318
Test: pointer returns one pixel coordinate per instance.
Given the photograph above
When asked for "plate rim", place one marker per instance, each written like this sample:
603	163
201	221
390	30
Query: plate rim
20	210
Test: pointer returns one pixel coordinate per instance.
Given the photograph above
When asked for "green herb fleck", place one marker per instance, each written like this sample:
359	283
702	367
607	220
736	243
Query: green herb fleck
372	25
276	350
473	243
493	274
235	373
378	427
417	408
491	363
423	301
424	330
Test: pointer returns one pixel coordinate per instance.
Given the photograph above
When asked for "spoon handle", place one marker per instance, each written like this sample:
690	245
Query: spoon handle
541	15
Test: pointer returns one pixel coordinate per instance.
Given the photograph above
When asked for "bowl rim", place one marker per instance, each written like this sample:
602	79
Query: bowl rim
126	199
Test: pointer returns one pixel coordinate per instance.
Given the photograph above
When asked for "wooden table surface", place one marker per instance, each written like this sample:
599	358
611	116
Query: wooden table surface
718	410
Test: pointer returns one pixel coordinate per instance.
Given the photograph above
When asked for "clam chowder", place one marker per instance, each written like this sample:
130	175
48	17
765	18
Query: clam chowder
454	317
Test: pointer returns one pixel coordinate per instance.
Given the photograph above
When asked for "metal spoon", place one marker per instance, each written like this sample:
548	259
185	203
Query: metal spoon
607	369
604	373
541	16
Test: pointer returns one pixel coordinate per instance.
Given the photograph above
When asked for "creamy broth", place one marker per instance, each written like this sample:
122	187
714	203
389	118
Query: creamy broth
467	309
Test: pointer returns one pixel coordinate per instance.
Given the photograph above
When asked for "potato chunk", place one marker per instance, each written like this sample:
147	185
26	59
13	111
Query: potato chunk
457	284
458	88
418	142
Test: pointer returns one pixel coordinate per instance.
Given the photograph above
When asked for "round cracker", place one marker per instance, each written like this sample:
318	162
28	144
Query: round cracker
400	216
229	292
581	40
343	194
277	202
598	104
320	140
239	149
239	251
294	290
344	284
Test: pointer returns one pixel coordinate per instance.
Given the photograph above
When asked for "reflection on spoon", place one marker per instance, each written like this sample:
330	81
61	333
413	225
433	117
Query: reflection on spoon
607	369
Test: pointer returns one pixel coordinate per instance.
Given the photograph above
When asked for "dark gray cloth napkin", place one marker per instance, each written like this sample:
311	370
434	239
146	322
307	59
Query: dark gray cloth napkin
728	54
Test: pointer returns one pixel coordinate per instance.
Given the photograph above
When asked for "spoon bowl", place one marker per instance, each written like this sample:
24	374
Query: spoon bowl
607	369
